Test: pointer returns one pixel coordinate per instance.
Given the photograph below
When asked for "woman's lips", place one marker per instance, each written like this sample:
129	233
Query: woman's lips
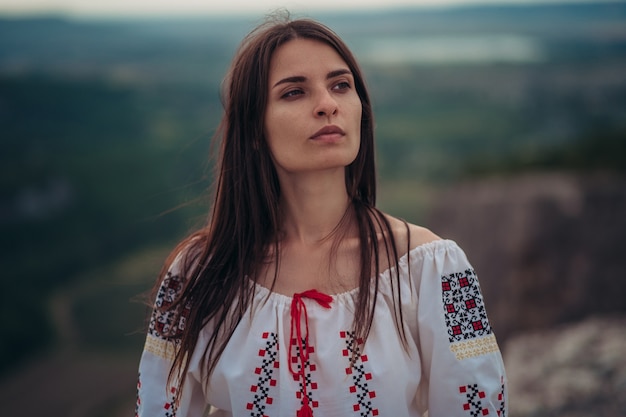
328	133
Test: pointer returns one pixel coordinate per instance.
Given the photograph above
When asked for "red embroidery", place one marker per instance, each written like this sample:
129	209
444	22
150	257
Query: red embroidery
261	390
171	406
463	306
356	370
502	409
474	403
138	403
302	346
168	322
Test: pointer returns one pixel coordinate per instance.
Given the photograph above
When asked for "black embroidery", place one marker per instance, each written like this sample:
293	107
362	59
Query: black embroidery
138	403
464	309
364	405
309	368
474	400
265	382
171	406
502	409
168	322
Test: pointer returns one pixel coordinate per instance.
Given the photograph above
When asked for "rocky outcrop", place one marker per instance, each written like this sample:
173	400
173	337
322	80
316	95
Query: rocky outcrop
576	370
548	248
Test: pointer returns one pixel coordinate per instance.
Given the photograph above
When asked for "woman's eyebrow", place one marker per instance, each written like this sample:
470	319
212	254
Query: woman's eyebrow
294	79
337	73
301	79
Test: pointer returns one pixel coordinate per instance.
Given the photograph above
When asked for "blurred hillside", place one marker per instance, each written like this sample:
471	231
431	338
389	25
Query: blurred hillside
105	129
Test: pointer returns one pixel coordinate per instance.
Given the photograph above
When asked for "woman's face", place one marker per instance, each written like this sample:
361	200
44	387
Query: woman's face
313	115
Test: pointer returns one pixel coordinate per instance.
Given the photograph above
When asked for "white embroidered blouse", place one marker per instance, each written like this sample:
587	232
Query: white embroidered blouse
451	367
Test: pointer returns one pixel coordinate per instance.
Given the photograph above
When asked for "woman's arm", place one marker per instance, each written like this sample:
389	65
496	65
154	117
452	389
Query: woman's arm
462	365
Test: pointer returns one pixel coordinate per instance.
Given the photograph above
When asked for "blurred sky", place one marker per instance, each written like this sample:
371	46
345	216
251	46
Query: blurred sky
113	8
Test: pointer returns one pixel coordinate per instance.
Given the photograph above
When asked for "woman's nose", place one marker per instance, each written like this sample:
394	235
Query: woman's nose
326	104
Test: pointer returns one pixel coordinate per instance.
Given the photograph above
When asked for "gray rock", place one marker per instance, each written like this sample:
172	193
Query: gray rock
573	370
548	248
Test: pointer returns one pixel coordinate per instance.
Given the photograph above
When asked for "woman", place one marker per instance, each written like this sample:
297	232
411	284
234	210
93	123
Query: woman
300	298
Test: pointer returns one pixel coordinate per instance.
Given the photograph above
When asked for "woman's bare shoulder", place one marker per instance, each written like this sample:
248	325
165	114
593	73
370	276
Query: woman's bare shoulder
416	236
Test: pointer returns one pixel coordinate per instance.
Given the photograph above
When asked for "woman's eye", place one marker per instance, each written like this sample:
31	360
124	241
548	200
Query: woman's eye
292	93
344	85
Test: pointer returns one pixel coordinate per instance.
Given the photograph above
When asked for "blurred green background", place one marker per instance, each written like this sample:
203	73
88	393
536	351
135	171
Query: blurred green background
105	129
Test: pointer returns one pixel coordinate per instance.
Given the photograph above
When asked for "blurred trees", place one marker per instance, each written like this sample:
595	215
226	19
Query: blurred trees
89	170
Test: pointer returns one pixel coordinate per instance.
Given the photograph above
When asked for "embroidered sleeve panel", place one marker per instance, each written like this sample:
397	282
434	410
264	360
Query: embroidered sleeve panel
169	315
469	331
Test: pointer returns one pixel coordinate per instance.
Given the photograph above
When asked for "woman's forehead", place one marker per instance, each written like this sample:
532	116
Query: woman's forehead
304	57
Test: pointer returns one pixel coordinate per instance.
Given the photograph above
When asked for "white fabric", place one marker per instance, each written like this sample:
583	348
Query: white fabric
441	372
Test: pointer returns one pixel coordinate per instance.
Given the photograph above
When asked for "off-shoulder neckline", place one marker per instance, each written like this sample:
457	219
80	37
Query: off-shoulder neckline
265	294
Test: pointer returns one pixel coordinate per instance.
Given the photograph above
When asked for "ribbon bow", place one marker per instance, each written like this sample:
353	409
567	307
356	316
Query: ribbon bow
298	311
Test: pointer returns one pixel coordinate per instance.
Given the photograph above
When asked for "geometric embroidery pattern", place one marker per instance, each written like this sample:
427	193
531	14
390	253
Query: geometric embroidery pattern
474	397
261	391
364	397
502	408
475	347
138	403
309	368
463	306
170	407
162	348
167	322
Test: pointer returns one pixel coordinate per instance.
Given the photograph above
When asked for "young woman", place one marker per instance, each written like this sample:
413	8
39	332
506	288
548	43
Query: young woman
299	297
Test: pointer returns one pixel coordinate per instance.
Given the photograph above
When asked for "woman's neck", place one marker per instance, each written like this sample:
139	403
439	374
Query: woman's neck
313	206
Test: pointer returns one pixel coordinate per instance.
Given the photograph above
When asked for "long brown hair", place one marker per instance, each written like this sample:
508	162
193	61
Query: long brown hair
219	260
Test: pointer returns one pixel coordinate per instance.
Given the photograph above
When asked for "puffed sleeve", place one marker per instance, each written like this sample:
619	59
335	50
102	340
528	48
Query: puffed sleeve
463	371
155	397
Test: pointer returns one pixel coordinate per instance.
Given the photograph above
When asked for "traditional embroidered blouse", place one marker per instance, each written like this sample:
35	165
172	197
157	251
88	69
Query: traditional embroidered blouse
451	367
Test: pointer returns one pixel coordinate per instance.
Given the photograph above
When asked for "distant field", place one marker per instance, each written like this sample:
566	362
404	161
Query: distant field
99	324
107	306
